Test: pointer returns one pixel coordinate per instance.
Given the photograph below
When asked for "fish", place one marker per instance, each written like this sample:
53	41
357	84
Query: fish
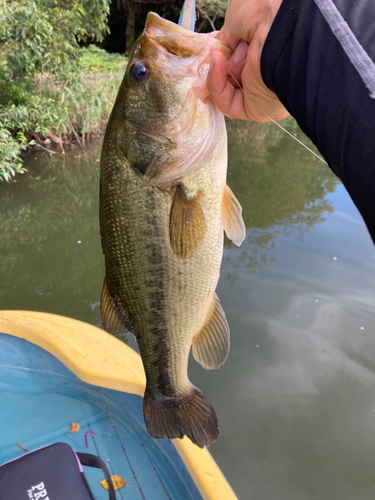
164	204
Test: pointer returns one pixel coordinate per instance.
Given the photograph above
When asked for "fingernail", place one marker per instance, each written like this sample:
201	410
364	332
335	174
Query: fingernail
241	52
212	62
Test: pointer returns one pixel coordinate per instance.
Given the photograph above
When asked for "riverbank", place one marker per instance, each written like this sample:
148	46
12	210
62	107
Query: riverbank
84	113
54	113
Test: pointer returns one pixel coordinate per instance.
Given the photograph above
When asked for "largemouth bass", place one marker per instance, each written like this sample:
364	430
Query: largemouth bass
163	206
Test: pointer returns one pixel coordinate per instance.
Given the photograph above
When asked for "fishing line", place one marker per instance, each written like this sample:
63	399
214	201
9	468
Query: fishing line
97	452
278	124
110	466
124	451
144	449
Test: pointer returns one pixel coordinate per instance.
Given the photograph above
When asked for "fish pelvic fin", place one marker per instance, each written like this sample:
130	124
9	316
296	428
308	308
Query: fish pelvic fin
189	414
187	226
211	346
114	320
231	212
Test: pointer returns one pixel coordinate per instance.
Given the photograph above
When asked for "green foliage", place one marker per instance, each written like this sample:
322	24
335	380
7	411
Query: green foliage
35	114
83	105
10	163
79	106
213	7
42	92
92	59
212	13
40	36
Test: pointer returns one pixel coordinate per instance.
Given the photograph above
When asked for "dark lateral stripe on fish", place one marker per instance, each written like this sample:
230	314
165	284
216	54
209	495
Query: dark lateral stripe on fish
158	375
188	414
157	371
151	213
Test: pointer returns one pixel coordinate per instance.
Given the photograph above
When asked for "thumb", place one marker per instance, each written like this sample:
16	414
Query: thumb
228	98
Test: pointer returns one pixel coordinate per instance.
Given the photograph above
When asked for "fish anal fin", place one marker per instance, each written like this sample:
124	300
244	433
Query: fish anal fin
233	223
188	414
211	346
187	226
112	321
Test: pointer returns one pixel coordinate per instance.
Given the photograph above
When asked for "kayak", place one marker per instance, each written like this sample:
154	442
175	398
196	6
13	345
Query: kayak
65	381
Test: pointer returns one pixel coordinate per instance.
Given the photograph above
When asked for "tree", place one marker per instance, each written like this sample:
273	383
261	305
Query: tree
38	39
127	20
212	13
41	37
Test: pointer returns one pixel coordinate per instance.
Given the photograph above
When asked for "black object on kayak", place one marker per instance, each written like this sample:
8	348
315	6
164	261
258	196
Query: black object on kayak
50	473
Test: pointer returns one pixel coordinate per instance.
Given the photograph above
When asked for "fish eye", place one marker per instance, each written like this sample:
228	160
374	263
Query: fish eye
139	72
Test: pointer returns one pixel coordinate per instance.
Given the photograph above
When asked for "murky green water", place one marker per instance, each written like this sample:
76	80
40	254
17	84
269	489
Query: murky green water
296	397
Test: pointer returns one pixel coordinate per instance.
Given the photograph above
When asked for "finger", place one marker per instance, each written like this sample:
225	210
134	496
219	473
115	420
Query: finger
237	62
228	99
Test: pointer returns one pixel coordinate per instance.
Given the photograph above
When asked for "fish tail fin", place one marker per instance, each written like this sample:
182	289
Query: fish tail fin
189	414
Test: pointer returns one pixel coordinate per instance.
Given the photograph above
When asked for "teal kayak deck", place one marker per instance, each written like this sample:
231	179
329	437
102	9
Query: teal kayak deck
41	398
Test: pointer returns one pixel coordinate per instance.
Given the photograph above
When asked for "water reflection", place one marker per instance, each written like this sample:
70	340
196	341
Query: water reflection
299	383
279	183
281	186
50	246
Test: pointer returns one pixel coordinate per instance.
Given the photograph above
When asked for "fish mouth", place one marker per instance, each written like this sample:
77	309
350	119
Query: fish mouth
181	42
178	59
172	52
158	26
176	52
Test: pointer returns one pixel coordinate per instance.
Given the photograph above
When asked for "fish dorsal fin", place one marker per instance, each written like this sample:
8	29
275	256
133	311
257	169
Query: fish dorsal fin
211	345
231	212
187	226
111	320
187	15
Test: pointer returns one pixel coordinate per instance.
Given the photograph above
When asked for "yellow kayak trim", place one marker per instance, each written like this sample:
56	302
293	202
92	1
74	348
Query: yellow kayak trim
101	359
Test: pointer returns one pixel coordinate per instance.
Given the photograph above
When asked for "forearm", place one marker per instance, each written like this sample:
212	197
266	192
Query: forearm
327	82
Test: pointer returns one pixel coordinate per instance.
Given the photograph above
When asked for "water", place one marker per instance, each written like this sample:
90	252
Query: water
295	398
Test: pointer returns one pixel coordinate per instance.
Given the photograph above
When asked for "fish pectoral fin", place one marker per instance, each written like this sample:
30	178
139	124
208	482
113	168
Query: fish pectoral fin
111	319
187	227
211	345
231	212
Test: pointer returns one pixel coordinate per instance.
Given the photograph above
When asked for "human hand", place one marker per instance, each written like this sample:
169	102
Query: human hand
247	23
